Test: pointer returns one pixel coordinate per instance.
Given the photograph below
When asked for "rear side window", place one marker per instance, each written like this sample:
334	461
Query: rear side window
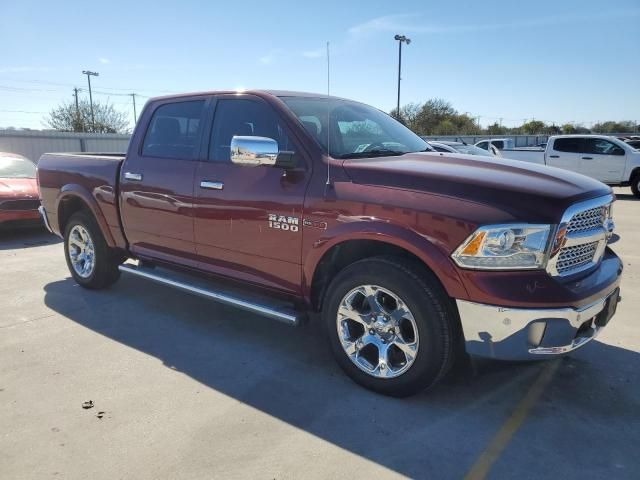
244	117
499	144
174	130
569	145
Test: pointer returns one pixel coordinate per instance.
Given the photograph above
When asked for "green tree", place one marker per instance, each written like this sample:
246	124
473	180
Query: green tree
496	129
615	127
66	118
533	127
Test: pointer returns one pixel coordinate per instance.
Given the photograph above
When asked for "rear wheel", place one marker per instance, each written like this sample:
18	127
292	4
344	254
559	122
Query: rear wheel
390	326
90	260
635	185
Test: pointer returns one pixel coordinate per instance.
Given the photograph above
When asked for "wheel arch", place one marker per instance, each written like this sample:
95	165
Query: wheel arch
73	198
324	262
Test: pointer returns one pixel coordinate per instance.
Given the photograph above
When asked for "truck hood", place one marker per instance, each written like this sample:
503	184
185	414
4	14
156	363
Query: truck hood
534	193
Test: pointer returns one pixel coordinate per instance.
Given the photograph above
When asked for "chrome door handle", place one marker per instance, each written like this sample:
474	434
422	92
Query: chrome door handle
133	176
587	158
211	185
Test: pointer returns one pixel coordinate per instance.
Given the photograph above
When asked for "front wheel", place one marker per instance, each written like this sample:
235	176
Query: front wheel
90	260
635	185
390	326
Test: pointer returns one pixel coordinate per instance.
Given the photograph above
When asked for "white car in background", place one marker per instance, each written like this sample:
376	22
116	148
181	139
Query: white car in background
499	143
458	147
602	157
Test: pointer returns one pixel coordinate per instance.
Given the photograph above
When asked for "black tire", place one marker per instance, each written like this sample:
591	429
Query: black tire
434	318
635	185
105	266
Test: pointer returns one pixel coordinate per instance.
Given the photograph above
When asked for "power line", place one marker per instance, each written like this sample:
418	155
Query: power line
20	111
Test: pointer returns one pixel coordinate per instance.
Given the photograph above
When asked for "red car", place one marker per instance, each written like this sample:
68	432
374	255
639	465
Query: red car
18	192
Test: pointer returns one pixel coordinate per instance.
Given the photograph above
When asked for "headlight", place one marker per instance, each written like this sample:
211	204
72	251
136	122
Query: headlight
505	247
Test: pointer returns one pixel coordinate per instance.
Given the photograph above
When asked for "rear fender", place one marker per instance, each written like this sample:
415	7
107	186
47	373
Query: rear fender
78	191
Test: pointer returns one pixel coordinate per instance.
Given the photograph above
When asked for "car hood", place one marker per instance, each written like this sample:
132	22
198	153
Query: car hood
18	188
524	190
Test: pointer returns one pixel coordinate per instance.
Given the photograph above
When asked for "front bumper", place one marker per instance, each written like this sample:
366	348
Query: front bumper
10	217
523	333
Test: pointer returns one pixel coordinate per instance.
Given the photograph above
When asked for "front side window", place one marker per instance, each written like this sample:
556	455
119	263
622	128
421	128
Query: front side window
174	130
244	117
356	130
600	146
483	145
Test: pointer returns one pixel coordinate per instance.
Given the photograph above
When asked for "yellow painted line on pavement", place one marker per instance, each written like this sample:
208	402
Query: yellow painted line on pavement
502	438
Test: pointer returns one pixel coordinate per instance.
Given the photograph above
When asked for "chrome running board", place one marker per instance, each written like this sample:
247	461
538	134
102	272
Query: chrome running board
282	312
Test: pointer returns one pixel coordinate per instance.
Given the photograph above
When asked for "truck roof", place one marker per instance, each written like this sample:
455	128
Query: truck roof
274	93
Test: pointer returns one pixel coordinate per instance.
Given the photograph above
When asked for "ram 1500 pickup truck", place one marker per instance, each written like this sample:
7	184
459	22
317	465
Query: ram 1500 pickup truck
602	157
300	206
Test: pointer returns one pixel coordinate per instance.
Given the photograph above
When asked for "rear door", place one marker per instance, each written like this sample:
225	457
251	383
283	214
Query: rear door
603	160
565	153
156	182
248	219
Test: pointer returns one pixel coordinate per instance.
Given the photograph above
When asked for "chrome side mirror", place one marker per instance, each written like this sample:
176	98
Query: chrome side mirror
254	151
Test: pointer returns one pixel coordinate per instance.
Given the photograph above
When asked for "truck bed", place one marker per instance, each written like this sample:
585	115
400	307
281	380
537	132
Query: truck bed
91	176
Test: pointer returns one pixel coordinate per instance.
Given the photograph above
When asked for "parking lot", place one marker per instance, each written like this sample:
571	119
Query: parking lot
191	389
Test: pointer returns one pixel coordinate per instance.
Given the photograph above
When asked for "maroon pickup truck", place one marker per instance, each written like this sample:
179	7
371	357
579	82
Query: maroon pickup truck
290	204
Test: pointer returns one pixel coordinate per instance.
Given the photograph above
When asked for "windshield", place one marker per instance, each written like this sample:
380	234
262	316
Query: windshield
13	167
357	130
472	150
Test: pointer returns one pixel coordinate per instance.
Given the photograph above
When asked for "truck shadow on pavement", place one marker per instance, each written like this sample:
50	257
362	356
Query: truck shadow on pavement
26	238
289	374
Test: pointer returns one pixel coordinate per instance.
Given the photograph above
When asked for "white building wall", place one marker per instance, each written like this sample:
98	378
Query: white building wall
32	144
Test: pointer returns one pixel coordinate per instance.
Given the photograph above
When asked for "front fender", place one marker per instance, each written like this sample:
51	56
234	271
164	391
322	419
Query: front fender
423	248
78	191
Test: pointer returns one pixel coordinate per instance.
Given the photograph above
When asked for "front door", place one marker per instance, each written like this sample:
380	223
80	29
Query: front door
603	160
248	220
156	183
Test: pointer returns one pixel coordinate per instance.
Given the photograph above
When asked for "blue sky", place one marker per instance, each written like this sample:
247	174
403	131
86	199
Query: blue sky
562	60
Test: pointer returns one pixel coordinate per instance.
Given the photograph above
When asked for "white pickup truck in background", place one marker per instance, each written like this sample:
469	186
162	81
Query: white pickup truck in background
604	158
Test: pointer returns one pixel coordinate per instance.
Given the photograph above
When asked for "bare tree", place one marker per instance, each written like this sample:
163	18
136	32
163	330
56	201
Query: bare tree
66	118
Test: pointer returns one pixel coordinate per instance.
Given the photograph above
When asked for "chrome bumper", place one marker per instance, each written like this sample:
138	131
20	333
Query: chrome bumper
521	334
43	214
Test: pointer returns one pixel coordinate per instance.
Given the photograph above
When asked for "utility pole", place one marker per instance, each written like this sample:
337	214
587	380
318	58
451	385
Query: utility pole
401	39
90	74
75	95
135	114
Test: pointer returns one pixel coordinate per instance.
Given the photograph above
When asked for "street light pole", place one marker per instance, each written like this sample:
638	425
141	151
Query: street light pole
401	39
135	114
90	74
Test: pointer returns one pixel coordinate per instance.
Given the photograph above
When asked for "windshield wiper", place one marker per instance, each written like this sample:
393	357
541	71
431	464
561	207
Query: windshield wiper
378	152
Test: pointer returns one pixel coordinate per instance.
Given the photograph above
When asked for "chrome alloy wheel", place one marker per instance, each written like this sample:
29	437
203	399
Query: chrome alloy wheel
377	331
81	252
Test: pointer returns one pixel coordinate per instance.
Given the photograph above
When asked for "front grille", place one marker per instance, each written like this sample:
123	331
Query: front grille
574	257
586	220
582	237
20	205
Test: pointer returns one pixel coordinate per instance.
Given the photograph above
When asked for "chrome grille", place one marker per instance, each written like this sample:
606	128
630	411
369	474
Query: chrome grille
570	258
586	220
582	237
